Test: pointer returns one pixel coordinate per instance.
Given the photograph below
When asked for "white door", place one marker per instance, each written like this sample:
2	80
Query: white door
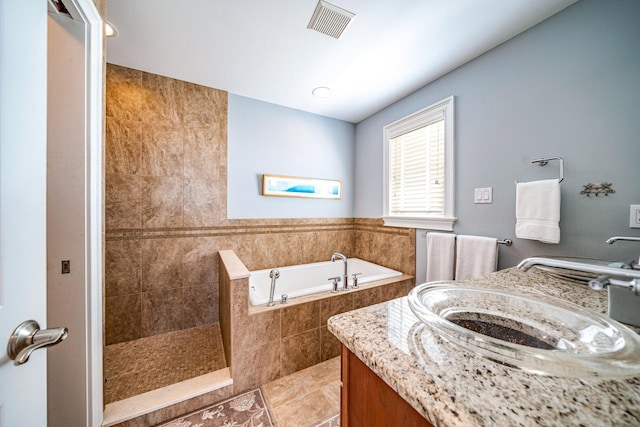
23	139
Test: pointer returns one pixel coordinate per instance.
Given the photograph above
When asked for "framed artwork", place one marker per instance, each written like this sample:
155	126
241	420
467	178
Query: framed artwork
291	186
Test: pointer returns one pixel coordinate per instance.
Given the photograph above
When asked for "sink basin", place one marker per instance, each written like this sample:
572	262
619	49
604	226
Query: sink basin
540	334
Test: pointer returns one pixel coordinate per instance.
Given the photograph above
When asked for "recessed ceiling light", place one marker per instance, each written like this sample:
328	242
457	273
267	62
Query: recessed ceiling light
110	30
321	92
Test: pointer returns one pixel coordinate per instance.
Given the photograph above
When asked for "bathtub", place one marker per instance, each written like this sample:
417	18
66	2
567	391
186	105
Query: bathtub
306	279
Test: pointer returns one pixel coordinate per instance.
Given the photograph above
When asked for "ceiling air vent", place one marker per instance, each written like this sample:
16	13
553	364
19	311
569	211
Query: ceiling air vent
330	20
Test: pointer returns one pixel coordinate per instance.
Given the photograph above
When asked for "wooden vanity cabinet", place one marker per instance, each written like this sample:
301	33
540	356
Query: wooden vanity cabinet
367	401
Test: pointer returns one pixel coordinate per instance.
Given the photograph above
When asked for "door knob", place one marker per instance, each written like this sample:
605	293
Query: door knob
28	337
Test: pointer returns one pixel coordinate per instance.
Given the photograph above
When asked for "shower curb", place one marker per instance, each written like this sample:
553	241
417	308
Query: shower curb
154	400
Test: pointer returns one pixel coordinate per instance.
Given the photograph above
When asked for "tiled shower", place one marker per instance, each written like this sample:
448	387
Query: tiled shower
166	160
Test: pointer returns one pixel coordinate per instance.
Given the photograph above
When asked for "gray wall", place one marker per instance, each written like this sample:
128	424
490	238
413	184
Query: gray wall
568	87
267	138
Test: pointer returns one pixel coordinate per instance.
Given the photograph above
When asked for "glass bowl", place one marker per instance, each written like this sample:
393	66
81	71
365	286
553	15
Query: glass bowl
542	335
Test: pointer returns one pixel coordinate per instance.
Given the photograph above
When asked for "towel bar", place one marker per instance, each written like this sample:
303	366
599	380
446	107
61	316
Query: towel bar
506	242
545	160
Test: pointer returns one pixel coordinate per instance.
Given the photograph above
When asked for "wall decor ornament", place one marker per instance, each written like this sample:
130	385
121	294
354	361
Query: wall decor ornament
290	186
597	188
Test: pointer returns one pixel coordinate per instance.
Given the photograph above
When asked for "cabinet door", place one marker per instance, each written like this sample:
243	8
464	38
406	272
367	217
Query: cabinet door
366	400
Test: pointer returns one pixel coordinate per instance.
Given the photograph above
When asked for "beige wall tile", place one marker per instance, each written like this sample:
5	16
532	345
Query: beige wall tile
200	261
162	263
200	306
203	105
124	93
256	330
161	311
202	147
162	150
300	318
367	297
300	351
123	267
329	345
162	202
201	200
122	201
123	318
161	101
254	366
122	146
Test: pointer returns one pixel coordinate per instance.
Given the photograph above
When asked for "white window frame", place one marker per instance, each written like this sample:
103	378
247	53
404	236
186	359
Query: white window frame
444	108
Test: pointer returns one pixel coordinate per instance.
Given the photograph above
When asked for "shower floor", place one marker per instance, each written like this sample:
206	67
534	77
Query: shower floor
146	364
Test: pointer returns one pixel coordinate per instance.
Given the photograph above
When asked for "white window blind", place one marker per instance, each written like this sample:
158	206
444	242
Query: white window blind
417	172
419	169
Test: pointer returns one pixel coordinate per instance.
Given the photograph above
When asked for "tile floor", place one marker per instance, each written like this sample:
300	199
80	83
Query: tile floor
305	398
135	367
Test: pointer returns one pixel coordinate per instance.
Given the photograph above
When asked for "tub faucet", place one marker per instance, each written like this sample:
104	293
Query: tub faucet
274	274
345	276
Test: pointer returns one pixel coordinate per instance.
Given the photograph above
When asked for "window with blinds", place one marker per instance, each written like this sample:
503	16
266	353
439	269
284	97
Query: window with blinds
419	163
417	172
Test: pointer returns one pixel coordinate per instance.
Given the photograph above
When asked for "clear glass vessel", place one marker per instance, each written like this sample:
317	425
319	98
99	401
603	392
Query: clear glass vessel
541	334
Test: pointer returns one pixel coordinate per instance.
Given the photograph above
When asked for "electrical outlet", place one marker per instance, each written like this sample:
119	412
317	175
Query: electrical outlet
634	216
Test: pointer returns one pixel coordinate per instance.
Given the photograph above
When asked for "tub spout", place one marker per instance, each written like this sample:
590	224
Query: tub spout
345	276
274	274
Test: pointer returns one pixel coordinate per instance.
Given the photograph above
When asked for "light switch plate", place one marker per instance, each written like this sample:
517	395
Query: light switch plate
634	216
483	195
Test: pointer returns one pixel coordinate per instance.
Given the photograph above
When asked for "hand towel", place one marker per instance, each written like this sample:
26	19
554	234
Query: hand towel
538	210
440	256
475	256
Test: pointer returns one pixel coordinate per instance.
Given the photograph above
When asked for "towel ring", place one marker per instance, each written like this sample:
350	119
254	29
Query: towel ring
545	160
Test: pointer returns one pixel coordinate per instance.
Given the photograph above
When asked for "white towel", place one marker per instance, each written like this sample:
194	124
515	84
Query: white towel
440	256
475	256
538	210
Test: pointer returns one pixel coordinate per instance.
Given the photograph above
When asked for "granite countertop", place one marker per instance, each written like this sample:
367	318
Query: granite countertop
450	386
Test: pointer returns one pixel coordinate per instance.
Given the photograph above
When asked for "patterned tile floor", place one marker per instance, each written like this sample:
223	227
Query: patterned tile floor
148	363
306	398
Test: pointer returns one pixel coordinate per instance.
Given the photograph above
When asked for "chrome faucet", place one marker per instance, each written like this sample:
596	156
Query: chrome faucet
606	275
628	264
614	239
274	274
345	276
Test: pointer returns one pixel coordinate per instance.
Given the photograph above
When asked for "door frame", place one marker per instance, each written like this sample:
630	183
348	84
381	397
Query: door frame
85	11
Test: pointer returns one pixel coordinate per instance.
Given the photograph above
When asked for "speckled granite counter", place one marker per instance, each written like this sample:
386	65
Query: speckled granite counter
453	387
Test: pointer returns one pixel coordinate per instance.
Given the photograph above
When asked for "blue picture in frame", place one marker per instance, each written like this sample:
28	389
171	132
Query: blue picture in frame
291	186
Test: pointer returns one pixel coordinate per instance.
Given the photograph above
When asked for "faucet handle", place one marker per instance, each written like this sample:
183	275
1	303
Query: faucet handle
599	283
335	284
355	280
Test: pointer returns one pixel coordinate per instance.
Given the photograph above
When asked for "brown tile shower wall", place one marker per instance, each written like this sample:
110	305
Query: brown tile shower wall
165	211
165	171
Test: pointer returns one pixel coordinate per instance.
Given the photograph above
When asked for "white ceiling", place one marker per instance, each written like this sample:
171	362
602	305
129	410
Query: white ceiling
263	49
